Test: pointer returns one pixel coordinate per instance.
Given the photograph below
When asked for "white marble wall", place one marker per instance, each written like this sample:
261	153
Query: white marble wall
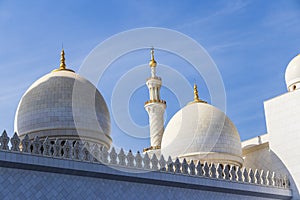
282	118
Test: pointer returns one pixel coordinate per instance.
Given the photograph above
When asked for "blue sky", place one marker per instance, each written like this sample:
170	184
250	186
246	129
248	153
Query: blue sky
251	42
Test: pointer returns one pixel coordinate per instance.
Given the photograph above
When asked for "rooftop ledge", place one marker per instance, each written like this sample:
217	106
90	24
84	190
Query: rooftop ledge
103	164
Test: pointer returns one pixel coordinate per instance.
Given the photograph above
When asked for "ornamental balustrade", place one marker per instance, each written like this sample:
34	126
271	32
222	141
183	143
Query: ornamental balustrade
96	154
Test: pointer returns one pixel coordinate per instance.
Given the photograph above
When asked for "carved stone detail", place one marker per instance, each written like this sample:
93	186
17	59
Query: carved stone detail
162	164
146	161
86	155
185	167
104	155
67	149
257	177
199	169
263	177
170	165
15	142
232	173
206	170
77	150
213	171
192	168
154	162
56	148
239	174
122	158
130	159
96	153
138	160
246	175
46	147
36	144
113	156
226	172
251	176
177	165
220	171
273	179
26	144
4	139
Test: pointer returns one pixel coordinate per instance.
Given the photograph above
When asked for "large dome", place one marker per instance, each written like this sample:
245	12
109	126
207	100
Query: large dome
200	131
292	74
64	105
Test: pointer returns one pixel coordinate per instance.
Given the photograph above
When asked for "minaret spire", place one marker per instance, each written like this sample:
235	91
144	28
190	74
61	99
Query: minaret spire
152	64
155	108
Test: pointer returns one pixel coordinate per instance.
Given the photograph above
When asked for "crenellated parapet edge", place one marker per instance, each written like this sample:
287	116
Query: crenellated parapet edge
82	151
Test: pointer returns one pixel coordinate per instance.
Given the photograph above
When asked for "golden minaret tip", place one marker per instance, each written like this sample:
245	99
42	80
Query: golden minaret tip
152	62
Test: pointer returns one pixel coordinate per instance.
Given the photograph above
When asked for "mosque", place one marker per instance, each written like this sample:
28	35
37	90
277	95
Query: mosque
62	148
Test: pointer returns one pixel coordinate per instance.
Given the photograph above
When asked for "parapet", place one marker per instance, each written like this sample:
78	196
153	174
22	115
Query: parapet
83	152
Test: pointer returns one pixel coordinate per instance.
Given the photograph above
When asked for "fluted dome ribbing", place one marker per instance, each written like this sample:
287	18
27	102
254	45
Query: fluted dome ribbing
200	131
64	105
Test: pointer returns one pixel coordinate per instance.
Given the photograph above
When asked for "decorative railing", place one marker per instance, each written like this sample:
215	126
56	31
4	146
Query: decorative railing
84	152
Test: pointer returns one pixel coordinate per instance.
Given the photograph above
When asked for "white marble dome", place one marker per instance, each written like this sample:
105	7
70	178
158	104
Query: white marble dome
292	74
200	131
64	105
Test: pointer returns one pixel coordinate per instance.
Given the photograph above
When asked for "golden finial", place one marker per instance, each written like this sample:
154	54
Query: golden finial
62	65
196	96
62	60
152	62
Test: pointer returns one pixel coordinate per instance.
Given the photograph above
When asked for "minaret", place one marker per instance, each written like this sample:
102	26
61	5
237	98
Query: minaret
155	108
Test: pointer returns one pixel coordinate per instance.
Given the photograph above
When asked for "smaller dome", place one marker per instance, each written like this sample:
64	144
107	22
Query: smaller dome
292	74
200	131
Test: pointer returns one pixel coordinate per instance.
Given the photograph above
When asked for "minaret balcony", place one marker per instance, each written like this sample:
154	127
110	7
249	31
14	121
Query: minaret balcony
155	101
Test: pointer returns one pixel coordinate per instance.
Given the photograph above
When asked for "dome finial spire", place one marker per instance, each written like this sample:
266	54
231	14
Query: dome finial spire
196	96
152	62
62	66
62	60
